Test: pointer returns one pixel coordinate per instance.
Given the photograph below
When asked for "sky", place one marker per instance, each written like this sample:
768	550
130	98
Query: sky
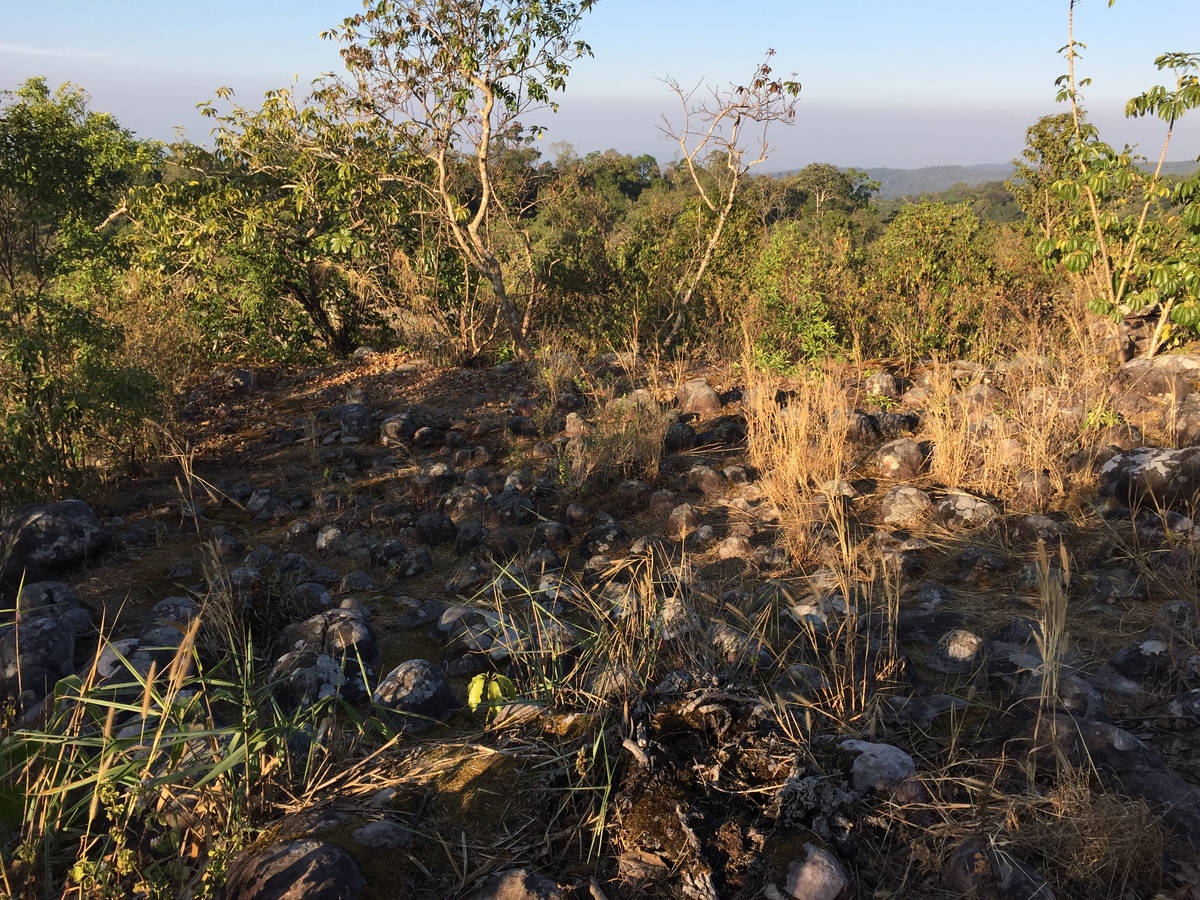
886	83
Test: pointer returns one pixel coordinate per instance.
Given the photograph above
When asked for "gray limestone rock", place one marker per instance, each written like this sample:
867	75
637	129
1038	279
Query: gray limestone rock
901	460
878	767
697	396
45	539
306	869
415	695
905	505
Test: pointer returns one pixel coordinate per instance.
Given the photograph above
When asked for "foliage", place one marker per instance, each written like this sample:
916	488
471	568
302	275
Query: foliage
294	228
1044	162
923	270
826	185
792	318
441	74
65	397
1130	233
716	155
488	691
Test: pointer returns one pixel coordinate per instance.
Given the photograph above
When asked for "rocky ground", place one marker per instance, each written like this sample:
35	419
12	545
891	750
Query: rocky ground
955	656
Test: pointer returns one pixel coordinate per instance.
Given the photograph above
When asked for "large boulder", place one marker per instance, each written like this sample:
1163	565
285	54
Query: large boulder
307	868
45	539
1152	476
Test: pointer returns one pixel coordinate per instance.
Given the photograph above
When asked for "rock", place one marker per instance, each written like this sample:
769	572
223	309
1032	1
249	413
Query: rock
606	537
382	835
343	634
959	510
330	654
980	868
576	426
55	599
45	539
901	459
706	480
330	538
905	505
1145	666
724	431
819	877
355	421
736	546
513	508
356	581
881	384
735	647
242	382
957	652
519	884
683	520
878	767
416	563
436	529
415	695
861	428
34	655
696	396
680	438
398	430
1186	706
1159	478
306	869
1124	762
893	425
523	427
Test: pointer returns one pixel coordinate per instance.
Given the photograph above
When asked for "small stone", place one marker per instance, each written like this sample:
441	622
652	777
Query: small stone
878	767
901	459
683	520
416	695
957	651
382	835
905	505
819	877
696	396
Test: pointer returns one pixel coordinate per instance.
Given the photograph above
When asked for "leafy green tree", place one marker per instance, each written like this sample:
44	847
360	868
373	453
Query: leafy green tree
923	270
296	226
65	395
1133	235
1045	161
791	319
451	77
826	184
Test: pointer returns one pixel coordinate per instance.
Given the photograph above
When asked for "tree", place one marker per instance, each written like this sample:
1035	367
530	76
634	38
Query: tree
825	183
295	225
1136	261
1045	161
453	75
64	393
714	150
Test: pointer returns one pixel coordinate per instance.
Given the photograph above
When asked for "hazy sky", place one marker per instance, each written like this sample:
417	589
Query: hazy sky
900	83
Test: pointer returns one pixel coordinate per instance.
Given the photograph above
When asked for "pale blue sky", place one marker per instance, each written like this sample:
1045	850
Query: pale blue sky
886	82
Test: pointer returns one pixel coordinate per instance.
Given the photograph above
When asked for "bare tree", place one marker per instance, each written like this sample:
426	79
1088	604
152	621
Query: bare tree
713	142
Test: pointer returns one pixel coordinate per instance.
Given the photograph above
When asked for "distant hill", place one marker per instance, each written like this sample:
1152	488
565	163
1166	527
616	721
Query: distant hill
935	179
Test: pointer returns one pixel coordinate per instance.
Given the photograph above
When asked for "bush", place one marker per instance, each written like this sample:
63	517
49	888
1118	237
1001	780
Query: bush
790	317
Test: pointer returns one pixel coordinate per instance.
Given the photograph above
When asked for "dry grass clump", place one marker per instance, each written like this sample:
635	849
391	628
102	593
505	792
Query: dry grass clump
625	439
1085	841
995	432
799	446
